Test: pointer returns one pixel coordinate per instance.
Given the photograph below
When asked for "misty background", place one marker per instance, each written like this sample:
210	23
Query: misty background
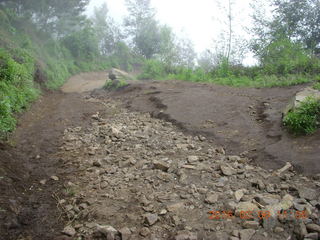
202	21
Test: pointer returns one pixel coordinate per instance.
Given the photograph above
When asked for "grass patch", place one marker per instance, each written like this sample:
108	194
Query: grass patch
304	120
115	84
316	86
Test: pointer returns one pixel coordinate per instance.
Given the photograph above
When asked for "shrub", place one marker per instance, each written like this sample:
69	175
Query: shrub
114	85
16	87
317	86
152	69
304	119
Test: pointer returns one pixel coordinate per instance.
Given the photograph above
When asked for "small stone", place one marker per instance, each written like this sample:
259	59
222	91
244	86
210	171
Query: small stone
226	170
312	236
220	150
108	231
300	230
308	193
97	163
245	206
163	212
161	165
234	158
235	233
192	159
211	198
313	227
54	178
83	206
186	236
175	207
251	224
150	219
278	230
69	231
239	194
144	232
43	182
125	233
247	234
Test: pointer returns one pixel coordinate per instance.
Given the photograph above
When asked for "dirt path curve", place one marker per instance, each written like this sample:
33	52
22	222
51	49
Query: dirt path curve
27	207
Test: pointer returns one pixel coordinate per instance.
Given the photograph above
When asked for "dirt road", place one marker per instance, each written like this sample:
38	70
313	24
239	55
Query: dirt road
27	207
68	166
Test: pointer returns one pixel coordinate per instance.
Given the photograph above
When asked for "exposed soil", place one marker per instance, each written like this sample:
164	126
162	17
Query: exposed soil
240	119
38	167
28	208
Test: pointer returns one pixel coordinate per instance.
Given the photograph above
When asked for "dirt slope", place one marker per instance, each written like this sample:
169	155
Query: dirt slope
240	119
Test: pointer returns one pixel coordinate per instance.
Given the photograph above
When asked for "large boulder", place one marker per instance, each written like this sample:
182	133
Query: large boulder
116	74
300	97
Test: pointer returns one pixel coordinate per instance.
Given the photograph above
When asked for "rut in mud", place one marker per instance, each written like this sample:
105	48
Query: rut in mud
99	165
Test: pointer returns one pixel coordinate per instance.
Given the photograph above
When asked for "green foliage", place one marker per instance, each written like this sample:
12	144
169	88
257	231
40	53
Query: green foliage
16	87
82	44
152	69
115	84
285	57
304	119
316	86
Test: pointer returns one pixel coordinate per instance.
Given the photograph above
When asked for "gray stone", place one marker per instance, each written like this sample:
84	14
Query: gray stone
107	231
192	159
300	230
251	224
211	198
161	165
125	233
227	170
234	158
312	236
144	232
69	231
186	236
54	178
239	194
245	206
308	193
300	97
247	234
278	230
150	219
313	228
175	207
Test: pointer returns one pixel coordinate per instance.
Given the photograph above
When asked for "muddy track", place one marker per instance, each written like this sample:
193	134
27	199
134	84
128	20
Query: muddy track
28	208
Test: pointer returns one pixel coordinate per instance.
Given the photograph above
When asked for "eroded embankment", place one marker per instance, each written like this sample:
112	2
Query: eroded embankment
240	119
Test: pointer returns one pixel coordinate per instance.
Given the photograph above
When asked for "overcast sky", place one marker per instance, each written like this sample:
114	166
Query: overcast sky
199	20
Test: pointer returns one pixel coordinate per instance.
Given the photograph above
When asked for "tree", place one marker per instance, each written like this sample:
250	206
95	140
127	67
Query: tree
206	60
107	31
82	44
186	53
53	16
142	28
297	20
228	47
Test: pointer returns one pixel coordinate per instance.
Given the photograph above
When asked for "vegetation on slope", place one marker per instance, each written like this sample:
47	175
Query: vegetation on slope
305	119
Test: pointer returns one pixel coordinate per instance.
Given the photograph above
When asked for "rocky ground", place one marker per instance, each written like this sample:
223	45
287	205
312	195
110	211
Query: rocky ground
136	177
158	160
